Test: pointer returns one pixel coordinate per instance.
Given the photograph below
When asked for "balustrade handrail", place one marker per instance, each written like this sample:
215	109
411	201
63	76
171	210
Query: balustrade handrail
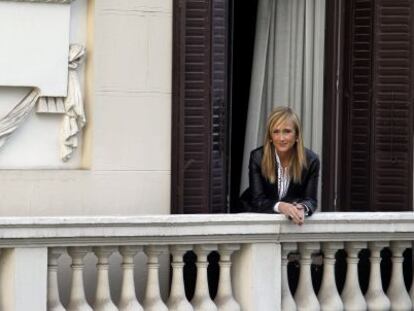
193	229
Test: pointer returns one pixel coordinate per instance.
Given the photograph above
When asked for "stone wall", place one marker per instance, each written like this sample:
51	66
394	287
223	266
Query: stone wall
122	166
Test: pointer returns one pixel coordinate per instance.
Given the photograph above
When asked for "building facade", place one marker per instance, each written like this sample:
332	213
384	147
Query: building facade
119	113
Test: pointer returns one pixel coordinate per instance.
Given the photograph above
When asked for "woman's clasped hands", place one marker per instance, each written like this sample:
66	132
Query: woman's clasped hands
294	211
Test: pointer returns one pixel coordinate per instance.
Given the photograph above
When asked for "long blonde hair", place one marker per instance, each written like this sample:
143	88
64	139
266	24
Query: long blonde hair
298	159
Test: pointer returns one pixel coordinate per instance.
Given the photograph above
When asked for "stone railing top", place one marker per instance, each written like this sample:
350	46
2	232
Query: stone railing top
218	228
42	1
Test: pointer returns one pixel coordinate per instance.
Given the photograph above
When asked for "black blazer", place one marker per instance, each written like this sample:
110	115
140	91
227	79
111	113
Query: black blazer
261	196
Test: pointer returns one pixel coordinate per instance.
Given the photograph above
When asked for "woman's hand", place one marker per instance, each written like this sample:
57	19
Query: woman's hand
295	212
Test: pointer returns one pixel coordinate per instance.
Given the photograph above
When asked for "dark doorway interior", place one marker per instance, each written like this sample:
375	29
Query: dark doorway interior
244	25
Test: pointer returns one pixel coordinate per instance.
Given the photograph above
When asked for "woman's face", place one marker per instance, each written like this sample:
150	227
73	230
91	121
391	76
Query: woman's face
284	137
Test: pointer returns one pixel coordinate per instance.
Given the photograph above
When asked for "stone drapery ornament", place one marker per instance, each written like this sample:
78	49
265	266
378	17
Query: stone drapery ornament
74	119
74	115
71	106
10	122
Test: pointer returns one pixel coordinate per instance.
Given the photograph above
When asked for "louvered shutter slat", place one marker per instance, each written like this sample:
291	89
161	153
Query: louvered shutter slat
393	106
199	107
378	136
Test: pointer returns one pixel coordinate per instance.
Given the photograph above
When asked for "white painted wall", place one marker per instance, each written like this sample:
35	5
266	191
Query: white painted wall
33	41
123	167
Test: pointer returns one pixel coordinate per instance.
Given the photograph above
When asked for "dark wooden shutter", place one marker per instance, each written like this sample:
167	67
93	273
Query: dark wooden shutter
199	151
333	103
220	106
377	172
357	104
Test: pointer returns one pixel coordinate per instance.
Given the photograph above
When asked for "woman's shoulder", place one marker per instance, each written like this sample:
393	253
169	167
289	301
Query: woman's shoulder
258	150
311	156
257	153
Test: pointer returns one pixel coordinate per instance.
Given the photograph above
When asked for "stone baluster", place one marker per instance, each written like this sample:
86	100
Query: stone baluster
177	300
328	294
128	300
224	299
201	300
103	300
352	296
288	303
375	296
77	300
53	298
397	293
411	293
153	301
305	297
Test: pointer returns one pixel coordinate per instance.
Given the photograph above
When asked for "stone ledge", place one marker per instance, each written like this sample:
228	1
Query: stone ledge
42	1
194	229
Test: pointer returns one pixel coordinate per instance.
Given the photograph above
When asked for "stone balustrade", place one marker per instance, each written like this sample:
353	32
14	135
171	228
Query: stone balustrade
255	252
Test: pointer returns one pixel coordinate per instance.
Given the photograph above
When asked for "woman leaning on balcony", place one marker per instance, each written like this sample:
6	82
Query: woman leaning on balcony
283	174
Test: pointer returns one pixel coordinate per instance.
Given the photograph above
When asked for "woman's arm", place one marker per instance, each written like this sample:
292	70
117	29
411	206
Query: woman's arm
259	201
310	195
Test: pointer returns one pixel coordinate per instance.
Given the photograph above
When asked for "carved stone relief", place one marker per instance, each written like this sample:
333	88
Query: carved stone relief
10	122
71	106
58	99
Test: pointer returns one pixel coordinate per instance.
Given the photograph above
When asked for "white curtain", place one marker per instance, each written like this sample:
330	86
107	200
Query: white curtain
287	70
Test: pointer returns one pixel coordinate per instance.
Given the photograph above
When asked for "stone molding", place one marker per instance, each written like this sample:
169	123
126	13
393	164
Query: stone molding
52	105
42	1
193	229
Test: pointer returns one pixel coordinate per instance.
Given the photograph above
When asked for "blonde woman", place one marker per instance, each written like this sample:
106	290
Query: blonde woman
283	174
